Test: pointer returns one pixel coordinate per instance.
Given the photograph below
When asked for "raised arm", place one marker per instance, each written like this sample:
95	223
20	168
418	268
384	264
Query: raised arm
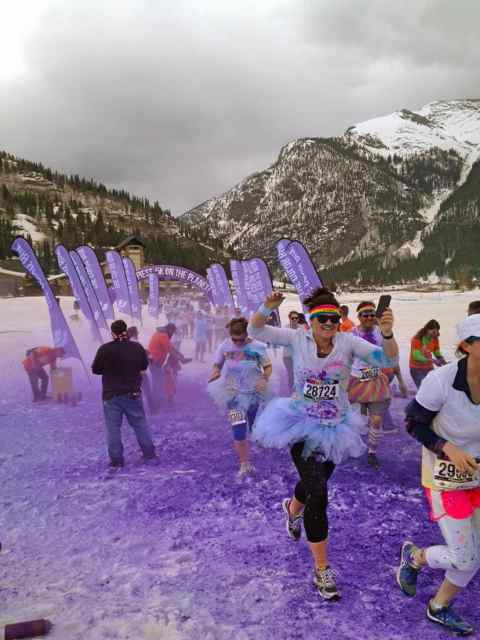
387	354
390	346
259	330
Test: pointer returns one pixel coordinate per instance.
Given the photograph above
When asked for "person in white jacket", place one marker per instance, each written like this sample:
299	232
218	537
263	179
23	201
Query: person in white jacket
317	422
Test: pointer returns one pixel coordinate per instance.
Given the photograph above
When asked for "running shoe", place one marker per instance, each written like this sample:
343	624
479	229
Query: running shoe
113	468
372	460
245	469
325	581
407	574
448	618
292	525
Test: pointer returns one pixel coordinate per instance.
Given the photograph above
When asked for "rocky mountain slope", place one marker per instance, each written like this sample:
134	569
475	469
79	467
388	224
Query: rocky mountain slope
389	201
50	208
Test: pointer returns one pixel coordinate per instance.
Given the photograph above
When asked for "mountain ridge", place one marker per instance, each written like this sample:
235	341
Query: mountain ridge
365	203
50	208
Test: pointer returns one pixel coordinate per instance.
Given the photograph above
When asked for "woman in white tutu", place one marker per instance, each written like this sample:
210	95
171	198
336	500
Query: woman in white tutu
238	384
317	422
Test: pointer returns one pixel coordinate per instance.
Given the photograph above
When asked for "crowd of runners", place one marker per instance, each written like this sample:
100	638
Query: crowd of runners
338	375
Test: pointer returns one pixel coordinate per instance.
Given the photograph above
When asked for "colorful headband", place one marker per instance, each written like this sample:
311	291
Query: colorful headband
369	307
323	310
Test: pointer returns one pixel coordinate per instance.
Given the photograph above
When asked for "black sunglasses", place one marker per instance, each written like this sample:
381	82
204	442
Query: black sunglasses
367	314
472	339
323	319
293	317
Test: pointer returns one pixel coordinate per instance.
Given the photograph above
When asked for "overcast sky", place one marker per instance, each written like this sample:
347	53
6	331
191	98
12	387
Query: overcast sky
178	100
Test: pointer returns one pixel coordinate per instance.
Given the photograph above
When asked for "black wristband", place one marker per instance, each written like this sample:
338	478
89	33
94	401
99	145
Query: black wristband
387	337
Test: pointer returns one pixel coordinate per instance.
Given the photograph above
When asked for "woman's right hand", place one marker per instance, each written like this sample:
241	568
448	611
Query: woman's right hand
274	300
460	458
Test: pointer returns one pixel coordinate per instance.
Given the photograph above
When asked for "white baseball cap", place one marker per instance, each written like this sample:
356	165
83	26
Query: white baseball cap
469	328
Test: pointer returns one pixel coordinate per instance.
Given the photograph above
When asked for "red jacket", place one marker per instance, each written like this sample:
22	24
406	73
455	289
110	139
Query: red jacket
346	325
159	347
40	357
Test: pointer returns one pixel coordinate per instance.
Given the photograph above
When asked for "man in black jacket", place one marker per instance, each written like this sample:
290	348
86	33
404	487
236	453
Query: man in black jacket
120	363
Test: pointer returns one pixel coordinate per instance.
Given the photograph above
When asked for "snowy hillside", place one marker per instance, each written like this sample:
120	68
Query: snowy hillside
446	125
50	208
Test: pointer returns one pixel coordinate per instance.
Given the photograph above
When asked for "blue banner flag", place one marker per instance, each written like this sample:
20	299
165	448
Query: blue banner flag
66	265
95	275
238	278
89	290
153	295
132	284
61	334
119	282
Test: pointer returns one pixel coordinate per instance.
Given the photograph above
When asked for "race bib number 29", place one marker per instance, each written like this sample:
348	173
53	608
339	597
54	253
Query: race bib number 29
318	390
446	477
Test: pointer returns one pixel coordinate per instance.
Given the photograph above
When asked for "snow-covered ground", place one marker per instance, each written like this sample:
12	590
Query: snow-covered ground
185	550
26	224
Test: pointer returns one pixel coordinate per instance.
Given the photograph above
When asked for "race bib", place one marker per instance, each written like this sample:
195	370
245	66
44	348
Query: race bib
446	477
236	416
318	390
369	373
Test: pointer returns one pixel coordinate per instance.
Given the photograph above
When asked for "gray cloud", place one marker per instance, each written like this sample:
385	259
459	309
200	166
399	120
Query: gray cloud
178	101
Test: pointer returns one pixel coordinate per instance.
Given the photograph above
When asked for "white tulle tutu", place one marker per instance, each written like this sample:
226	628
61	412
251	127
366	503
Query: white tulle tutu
227	397
236	388
284	421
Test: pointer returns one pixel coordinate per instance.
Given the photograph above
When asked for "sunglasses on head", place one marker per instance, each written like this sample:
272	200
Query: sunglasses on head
324	318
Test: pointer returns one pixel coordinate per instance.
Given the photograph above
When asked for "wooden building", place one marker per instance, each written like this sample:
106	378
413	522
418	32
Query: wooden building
133	248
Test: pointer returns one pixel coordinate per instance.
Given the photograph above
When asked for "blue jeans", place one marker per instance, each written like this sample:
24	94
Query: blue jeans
128	405
39	383
418	375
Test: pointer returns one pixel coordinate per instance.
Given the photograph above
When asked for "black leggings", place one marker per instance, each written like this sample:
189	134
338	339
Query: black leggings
312	491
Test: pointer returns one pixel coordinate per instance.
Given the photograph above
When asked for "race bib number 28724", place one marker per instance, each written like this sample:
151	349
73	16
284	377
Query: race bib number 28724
318	390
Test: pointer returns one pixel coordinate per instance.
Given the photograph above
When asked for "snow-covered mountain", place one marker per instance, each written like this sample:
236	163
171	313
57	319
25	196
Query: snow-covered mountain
390	200
445	125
